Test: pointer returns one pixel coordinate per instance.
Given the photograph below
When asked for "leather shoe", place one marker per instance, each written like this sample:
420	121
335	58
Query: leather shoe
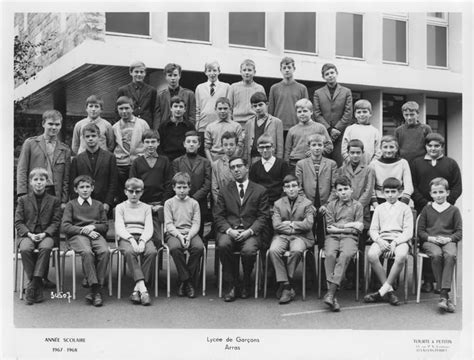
39	293
427	287
373	298
451	308
181	291
84	283
145	298
48	284
286	296
97	299
135	297
329	299
279	290
443	304
30	295
90	298
335	306
230	296
392	298
190	292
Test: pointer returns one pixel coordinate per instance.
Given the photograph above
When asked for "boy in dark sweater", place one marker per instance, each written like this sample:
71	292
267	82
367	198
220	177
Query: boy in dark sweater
85	225
439	230
156	173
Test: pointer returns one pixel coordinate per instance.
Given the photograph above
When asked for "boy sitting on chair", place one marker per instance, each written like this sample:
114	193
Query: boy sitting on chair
391	230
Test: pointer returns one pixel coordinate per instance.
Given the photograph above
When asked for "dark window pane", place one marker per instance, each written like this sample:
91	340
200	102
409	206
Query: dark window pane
136	23
438	15
394	40
247	28
188	25
392	112
296	24
349	35
436	116
436	45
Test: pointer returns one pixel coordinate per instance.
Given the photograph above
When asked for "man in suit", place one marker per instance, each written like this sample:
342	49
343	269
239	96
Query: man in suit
199	169
162	105
143	95
333	108
241	214
99	164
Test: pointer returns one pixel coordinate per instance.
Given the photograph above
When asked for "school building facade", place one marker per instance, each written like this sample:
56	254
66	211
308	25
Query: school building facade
387	58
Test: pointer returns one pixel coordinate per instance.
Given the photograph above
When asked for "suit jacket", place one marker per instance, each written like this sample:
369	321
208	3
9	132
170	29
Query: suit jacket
144	100
33	155
301	214
333	112
306	174
162	106
200	176
104	175
27	215
273	127
253	213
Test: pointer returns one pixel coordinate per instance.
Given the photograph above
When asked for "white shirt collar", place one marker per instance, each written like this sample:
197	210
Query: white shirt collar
440	208
81	200
245	183
268	164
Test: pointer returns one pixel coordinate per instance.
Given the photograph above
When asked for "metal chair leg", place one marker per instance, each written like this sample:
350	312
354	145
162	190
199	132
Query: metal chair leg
265	275
22	280
257	273
73	275
357	275
303	287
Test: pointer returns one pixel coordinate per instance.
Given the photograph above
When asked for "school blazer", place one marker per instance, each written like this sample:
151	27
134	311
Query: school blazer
302	215
200	175
306	175
162	106
33	155
253	213
27	215
144	101
105	175
273	127
333	112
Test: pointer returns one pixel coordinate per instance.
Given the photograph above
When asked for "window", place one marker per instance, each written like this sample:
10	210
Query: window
437	15
247	29
189	26
395	40
133	23
392	112
436	115
437	45
349	35
297	23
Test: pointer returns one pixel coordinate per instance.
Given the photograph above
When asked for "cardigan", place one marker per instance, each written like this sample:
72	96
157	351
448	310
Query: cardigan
123	156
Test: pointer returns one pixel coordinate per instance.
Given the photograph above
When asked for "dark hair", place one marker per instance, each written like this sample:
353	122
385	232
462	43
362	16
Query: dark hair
230	135
392	183
223	100
94	99
191	133
235	157
83	178
355	143
125	100
176	100
52	114
327	67
258	97
181	178
439	181
91	127
169	68
289	178
287	61
342	180
151	134
434	137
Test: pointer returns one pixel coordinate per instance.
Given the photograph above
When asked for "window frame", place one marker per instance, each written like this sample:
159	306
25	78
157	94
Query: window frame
316	43
447	46
114	33
192	41
264	48
362	58
398	17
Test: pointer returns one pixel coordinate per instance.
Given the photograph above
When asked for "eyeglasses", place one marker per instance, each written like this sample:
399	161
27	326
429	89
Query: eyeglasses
265	147
134	191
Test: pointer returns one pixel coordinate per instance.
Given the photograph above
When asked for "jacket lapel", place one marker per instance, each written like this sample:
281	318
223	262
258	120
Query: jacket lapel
42	144
98	164
235	192
337	91
32	200
57	151
248	191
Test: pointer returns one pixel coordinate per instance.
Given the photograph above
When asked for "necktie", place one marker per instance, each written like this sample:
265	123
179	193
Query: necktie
241	192
212	89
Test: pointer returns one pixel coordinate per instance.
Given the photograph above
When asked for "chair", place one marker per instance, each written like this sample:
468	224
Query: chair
420	255
203	268
257	261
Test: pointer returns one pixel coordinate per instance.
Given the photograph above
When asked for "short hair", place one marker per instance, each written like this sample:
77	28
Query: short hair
52	114
388	138
192	133
265	138
391	183
38	171
304	103
411	106
248	62
230	135
289	178
316	137
136	64
342	180
91	127
287	61
355	143
134	183
181	178
94	99
363	104
83	178
125	100
151	134
176	100
327	67
439	181
259	96
235	157
435	137
212	64
223	100
169	68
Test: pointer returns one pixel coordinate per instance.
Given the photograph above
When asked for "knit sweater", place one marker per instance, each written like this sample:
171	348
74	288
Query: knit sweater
133	219
172	138
282	99
125	157
392	222
182	216
446	223
106	136
271	180
296	143
76	216
206	104
398	169
239	96
411	140
370	137
214	132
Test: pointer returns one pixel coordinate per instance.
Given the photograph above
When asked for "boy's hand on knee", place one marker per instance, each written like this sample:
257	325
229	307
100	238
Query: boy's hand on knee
134	244
141	246
106	207
94	235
